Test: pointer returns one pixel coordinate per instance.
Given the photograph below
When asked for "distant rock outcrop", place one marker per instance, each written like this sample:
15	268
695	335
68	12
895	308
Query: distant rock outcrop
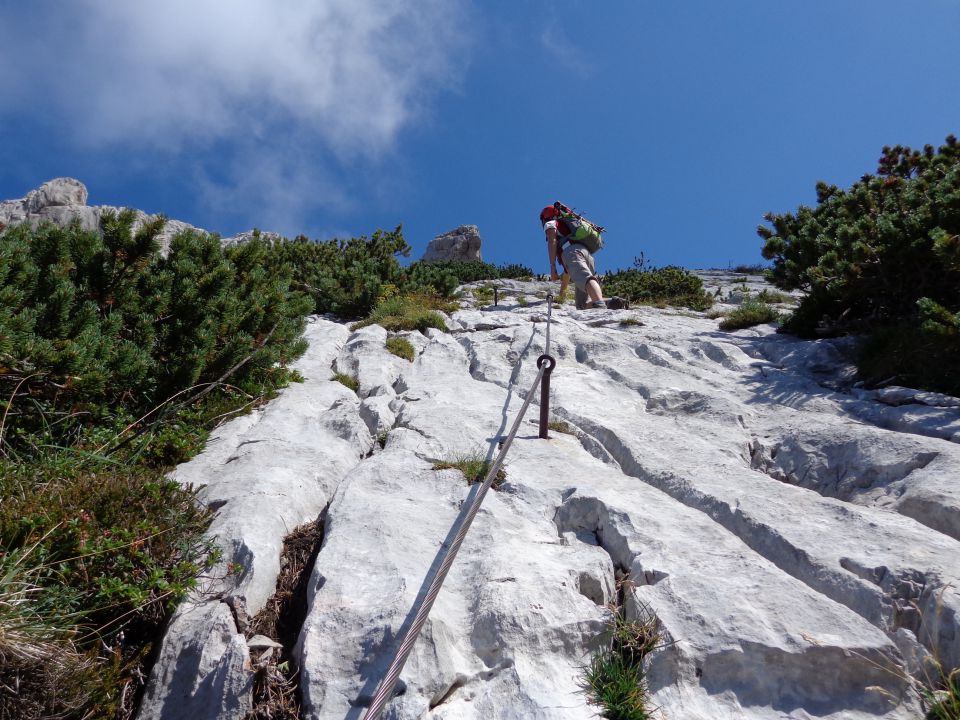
798	537
62	200
460	244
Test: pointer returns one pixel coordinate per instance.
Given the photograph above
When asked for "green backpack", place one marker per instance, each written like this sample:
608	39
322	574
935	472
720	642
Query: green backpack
574	228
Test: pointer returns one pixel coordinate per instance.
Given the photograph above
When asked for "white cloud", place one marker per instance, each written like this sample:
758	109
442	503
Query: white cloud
353	72
262	78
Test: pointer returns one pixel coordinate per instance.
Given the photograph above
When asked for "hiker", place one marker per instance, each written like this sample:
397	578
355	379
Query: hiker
576	258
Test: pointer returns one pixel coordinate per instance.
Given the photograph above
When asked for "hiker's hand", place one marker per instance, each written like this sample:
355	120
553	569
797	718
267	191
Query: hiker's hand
553	274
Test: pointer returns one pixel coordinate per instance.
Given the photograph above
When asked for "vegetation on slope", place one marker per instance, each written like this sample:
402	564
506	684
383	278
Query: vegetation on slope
115	362
657	286
881	258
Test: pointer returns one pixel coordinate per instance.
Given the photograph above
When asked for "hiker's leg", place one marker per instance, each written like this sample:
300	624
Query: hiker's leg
577	260
593	287
580	298
594	291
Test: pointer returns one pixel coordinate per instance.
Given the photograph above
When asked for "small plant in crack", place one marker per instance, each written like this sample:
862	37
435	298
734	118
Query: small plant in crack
484	295
944	703
474	467
347	380
561	426
615	679
382	439
401	347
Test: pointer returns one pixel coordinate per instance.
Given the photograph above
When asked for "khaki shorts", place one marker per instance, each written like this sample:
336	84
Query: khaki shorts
580	264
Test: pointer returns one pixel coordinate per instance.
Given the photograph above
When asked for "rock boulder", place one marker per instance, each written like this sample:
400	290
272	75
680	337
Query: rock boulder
58	192
461	244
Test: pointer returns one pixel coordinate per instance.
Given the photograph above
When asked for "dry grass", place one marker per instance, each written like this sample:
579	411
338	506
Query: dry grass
275	683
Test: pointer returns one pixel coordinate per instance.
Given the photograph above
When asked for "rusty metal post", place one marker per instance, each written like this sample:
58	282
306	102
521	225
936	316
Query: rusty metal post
545	393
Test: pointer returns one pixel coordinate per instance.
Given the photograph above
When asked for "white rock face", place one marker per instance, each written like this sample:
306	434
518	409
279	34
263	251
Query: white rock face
462	243
797	537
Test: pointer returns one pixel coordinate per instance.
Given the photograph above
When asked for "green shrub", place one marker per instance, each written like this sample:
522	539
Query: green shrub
408	312
663	286
344	277
465	271
442	277
90	320
515	272
866	257
401	347
750	313
433	278
922	351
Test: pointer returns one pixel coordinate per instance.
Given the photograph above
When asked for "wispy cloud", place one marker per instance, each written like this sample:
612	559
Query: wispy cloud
272	83
564	49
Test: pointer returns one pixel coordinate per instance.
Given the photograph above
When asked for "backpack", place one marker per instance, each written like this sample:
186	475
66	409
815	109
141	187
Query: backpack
574	228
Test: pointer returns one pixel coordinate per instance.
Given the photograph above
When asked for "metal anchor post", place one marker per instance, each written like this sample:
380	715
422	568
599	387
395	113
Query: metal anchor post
545	392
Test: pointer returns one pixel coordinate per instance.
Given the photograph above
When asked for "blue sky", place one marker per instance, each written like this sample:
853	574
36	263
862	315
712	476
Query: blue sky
675	124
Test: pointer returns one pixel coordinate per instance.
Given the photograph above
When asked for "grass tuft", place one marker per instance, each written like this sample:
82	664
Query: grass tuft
944	703
409	312
347	380
401	347
474	468
615	679
483	295
750	313
773	296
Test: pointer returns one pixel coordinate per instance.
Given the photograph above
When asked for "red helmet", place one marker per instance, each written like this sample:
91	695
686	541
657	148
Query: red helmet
548	212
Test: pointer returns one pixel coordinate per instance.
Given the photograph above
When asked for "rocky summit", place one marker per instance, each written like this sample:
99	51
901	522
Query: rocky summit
796	536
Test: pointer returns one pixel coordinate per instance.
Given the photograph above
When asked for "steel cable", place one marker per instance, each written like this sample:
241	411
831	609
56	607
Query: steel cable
385	689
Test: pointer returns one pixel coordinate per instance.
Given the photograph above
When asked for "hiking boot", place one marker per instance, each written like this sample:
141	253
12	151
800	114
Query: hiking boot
617	303
598	305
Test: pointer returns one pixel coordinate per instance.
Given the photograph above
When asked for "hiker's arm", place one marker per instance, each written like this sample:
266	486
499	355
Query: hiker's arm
552	252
